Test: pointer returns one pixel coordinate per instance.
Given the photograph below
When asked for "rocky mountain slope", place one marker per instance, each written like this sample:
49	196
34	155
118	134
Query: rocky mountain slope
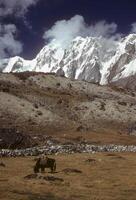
34	106
93	59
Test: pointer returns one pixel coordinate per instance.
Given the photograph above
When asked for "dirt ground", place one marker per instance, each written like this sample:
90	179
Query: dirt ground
101	176
97	138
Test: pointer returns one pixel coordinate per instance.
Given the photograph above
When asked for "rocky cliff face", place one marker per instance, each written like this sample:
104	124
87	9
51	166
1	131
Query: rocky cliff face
96	60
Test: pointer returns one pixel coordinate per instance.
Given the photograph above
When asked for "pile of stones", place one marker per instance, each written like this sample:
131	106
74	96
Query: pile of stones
51	148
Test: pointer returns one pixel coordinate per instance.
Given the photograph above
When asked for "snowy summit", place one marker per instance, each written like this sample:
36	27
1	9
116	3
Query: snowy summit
93	59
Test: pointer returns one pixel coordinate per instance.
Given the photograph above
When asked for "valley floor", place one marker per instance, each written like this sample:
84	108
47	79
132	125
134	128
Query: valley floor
100	176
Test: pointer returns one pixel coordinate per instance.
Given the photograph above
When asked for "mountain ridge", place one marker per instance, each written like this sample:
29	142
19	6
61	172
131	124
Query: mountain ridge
93	59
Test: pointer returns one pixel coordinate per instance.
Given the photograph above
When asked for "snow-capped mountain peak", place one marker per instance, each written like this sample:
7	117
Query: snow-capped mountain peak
93	59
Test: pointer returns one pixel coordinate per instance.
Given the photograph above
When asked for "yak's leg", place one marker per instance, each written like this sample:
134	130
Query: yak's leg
42	169
54	167
36	169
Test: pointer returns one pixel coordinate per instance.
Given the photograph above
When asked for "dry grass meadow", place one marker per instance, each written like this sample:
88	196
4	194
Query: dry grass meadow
38	106
105	176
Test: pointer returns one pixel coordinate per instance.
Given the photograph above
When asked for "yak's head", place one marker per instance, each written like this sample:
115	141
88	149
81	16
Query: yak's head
36	169
37	166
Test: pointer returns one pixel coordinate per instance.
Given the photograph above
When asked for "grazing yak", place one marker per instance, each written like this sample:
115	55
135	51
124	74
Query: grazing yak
43	163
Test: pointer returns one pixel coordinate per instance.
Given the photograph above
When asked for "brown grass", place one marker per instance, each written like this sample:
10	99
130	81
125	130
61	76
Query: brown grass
99	138
108	177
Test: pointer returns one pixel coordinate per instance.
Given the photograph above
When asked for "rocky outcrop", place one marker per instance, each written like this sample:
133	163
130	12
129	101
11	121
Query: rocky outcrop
34	106
12	139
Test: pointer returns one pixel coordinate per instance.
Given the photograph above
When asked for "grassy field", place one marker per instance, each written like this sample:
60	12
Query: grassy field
106	176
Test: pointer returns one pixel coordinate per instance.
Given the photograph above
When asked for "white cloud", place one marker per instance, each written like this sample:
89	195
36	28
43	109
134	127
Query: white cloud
102	28
133	27
65	30
9	46
15	7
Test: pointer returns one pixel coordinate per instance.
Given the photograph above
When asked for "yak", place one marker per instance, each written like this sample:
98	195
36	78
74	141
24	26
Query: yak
43	163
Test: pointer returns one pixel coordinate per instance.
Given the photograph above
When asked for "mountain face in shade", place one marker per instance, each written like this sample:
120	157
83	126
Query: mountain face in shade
92	59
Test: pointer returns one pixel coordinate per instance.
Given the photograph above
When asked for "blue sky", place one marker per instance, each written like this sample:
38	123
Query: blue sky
32	18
